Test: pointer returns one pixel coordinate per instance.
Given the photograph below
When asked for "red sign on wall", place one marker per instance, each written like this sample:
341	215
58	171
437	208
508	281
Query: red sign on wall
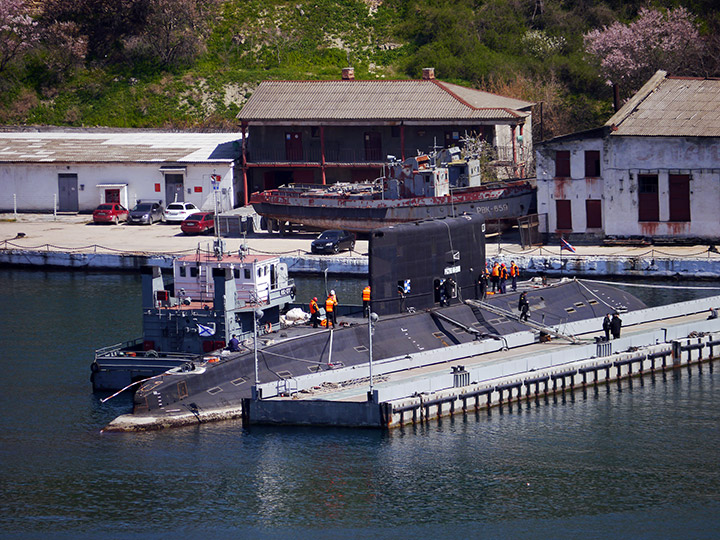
198	189
157	188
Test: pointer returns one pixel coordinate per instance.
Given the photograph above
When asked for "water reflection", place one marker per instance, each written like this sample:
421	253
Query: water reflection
640	455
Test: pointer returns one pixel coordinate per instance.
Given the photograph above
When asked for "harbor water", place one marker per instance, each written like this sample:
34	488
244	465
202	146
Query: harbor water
639	459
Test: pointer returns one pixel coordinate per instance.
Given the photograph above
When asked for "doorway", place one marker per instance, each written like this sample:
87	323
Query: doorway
174	191
68	193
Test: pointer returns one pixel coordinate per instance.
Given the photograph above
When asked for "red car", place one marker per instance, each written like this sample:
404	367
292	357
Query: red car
110	213
198	223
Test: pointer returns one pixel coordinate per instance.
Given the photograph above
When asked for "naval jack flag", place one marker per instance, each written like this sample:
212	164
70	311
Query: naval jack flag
206	330
564	244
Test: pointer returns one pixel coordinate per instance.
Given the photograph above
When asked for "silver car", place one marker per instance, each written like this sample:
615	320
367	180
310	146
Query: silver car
146	213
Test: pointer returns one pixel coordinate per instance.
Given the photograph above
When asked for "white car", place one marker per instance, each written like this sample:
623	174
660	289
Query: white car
177	212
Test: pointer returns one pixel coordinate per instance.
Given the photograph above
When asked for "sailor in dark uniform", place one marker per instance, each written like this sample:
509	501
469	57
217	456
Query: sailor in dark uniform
523	307
234	344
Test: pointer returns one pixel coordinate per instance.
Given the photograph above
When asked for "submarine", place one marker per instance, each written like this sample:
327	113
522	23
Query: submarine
424	278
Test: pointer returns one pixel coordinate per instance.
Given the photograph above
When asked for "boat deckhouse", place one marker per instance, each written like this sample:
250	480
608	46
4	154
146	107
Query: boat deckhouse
74	170
650	173
322	132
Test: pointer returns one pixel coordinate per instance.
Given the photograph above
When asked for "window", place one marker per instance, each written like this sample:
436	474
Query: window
564	214
112	195
247	273
236	273
293	146
562	164
648	204
194	271
373	146
183	273
679	193
593	213
452	138
592	163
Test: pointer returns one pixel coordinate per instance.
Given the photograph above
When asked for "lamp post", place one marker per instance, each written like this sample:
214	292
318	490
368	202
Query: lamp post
372	319
257	315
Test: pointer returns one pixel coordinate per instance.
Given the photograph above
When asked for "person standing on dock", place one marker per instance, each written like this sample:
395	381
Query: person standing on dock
483	284
523	307
331	309
366	301
615	326
314	312
495	277
503	278
514	273
606	327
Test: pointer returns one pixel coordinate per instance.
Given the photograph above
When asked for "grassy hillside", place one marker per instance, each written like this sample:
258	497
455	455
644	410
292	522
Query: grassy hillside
529	49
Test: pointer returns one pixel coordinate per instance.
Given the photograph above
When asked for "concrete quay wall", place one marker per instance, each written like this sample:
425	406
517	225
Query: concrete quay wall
82	260
550	265
568	377
647	266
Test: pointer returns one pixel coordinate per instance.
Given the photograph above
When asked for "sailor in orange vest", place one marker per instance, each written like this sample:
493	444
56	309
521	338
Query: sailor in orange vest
514	273
331	309
366	301
495	276
314	312
503	277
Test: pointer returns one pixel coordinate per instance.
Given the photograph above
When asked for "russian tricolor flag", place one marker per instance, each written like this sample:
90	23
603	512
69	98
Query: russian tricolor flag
564	244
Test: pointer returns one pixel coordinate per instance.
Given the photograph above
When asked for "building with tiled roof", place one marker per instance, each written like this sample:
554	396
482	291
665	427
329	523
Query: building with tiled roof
74	170
343	130
650	173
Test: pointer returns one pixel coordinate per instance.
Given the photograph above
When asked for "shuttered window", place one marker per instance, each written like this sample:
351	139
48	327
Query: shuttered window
593	213
648	203
679	192
564	214
592	163
562	164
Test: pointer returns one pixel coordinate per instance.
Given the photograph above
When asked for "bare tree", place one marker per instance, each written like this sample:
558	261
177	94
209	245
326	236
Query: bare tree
173	29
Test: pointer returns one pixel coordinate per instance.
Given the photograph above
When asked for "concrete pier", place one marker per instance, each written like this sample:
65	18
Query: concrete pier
654	340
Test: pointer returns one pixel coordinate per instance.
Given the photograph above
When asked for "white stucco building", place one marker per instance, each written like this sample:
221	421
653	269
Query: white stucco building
652	171
75	170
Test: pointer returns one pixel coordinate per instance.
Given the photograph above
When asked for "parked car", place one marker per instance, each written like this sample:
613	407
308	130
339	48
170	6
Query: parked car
146	213
177	212
199	223
333	242
110	213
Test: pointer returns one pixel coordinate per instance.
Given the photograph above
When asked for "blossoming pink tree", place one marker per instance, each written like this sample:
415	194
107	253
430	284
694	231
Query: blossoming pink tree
17	31
630	54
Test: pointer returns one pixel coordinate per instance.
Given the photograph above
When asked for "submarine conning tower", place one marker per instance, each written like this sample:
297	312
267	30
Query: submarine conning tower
426	264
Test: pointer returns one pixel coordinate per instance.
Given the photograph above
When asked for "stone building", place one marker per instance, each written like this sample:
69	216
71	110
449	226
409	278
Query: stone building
651	172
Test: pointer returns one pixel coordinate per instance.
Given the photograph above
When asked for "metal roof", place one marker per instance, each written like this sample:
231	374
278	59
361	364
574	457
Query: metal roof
136	146
671	107
358	100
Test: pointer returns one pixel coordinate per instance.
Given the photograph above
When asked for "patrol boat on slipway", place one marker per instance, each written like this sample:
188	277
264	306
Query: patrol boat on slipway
424	282
435	185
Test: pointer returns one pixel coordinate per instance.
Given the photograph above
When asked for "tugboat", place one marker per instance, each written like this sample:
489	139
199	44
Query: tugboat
214	295
436	185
